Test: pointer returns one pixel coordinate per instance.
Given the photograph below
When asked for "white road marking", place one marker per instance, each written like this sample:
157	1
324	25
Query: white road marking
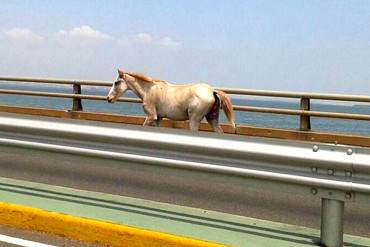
22	242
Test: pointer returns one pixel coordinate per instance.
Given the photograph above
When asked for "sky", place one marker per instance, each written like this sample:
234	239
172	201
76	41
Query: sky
312	46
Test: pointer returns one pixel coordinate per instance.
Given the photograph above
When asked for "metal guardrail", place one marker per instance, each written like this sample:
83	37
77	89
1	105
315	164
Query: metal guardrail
337	174
304	112
269	93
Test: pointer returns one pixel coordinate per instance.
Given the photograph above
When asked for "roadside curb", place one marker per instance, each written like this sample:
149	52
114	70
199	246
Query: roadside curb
89	230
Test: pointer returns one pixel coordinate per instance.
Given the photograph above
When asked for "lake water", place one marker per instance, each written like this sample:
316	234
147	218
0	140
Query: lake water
248	118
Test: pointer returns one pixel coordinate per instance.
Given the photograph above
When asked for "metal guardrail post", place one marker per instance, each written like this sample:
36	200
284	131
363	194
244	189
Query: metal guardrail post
77	103
332	212
305	121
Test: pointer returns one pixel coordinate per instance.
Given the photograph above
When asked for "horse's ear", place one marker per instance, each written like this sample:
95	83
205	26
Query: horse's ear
120	73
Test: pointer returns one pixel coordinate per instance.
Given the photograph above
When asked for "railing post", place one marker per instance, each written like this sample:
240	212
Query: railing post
77	104
332	212
305	121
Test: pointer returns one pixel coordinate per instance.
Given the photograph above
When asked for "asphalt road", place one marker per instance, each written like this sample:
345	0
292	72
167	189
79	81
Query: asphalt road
182	190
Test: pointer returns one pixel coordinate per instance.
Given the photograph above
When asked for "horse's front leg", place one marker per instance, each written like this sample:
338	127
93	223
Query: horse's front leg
151	119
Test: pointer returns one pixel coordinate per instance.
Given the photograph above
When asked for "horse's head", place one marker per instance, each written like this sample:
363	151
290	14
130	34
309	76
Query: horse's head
118	87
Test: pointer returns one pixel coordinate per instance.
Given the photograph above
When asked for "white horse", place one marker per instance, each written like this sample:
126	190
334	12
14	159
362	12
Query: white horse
161	99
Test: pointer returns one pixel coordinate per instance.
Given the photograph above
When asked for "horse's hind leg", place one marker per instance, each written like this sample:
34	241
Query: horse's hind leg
158	121
194	123
215	126
213	115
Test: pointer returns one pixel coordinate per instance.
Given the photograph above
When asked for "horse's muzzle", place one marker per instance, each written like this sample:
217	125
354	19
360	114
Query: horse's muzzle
110	100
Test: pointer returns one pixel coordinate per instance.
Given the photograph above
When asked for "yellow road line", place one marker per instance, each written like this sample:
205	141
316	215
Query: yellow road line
89	230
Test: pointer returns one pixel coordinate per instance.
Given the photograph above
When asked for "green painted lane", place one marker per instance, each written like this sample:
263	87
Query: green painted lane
178	220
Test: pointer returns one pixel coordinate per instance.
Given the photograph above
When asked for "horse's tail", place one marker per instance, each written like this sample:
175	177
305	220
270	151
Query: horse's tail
227	106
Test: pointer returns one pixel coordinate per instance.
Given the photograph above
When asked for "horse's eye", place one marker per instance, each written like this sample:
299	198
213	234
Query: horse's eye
117	83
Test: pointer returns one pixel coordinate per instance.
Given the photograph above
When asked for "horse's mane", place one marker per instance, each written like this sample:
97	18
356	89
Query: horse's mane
143	77
140	76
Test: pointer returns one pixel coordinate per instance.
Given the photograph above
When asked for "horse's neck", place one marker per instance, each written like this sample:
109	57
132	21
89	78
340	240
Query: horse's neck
140	88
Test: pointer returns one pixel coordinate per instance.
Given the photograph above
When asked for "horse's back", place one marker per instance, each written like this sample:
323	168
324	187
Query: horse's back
198	89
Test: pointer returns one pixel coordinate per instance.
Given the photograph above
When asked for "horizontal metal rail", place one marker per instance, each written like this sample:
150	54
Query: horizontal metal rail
197	166
66	95
298	95
335	173
57	81
267	93
235	107
303	112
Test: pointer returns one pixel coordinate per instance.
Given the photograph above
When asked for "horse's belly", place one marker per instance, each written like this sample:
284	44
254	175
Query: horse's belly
172	112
